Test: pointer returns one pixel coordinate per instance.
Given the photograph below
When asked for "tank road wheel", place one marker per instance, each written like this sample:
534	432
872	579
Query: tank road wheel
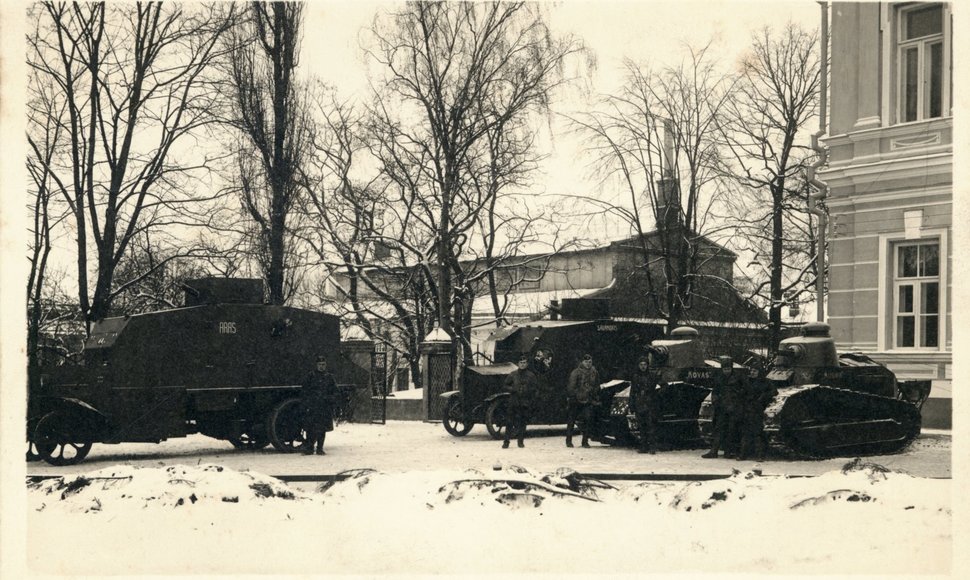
55	443
454	418
497	418
285	426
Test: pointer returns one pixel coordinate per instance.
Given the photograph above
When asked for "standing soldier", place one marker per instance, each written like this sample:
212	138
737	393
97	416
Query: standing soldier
522	385
730	388
643	403
319	390
582	398
759	394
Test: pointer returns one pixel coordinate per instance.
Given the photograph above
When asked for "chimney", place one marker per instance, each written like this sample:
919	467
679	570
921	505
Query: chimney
668	187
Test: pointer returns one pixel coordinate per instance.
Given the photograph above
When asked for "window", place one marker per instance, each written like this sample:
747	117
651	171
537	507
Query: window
923	76
916	295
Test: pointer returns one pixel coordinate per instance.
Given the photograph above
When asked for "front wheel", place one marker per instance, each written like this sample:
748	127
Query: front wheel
285	426
497	418
55	442
454	418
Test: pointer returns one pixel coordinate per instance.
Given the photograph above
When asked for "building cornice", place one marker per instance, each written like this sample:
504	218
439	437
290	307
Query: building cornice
889	168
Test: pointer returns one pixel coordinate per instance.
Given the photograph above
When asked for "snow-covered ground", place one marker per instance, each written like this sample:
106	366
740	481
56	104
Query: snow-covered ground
212	519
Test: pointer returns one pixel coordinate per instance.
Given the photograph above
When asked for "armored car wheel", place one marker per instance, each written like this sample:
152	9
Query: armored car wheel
253	441
285	426
55	443
497	418
32	454
454	418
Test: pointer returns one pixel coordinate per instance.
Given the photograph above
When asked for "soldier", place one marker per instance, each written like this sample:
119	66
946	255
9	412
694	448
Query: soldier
643	403
582	399
522	385
759	394
319	390
729	390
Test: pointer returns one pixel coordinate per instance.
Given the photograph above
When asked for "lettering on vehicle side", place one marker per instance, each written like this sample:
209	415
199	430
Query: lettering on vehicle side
227	328
699	374
607	327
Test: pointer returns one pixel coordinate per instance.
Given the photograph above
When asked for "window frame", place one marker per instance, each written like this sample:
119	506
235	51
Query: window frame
916	283
887	293
922	45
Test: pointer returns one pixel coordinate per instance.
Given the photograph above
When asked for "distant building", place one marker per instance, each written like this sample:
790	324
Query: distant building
891	178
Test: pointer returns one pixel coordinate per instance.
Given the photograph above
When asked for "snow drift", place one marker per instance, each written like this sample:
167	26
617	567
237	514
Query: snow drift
207	518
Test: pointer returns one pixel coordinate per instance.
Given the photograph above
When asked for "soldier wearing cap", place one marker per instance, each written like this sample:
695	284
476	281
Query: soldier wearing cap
582	399
730	388
521	385
643	403
319	391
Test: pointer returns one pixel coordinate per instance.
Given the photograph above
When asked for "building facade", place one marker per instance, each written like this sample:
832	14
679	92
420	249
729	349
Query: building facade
890	176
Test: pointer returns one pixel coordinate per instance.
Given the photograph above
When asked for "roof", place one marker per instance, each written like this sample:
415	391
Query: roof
655	232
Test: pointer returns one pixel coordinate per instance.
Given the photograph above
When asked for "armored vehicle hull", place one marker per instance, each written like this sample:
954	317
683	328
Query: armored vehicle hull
823	404
229	370
555	348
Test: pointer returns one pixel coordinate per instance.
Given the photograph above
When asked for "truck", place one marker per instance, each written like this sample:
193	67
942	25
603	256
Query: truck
554	347
225	365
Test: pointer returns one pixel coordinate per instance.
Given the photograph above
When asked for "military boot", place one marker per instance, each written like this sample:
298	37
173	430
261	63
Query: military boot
569	442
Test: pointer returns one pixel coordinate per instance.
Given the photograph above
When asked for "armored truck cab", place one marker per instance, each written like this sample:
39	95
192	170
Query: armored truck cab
225	365
554	348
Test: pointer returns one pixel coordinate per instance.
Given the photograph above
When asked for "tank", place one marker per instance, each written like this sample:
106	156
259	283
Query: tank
225	365
826	404
555	348
686	378
836	405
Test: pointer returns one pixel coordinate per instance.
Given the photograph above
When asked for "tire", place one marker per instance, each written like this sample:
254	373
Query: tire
453	418
32	454
496	418
285	426
253	438
55	441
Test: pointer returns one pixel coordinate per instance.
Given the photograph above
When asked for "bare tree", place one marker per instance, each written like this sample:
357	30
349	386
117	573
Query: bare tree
455	72
269	113
131	78
44	126
776	100
658	138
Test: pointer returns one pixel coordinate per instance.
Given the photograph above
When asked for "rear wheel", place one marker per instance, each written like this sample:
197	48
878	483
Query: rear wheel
497	418
252	439
32	454
285	426
55	441
454	418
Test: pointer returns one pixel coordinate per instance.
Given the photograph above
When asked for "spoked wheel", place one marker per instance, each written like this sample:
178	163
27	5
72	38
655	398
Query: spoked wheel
55	442
497	418
285	426
32	454
252	439
454	418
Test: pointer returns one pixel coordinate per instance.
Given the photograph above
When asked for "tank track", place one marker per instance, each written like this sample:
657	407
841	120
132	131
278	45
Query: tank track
820	421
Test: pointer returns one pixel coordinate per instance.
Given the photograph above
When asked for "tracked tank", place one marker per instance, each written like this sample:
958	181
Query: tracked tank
831	405
685	378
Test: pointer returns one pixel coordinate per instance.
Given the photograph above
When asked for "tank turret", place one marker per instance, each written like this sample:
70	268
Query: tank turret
804	355
680	351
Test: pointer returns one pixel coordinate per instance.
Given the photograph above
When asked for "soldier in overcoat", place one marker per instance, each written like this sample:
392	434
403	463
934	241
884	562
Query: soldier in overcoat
582	399
730	390
318	394
522	385
643	403
759	395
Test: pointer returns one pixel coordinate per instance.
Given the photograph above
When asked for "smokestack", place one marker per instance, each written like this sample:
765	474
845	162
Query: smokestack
668	149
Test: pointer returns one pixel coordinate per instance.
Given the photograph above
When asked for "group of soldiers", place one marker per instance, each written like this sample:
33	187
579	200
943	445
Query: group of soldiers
738	405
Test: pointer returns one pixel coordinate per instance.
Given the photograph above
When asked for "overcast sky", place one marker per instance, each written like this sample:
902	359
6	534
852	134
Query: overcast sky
648	32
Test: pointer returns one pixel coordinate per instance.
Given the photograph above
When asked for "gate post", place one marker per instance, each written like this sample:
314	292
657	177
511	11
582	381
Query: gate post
359	355
436	371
